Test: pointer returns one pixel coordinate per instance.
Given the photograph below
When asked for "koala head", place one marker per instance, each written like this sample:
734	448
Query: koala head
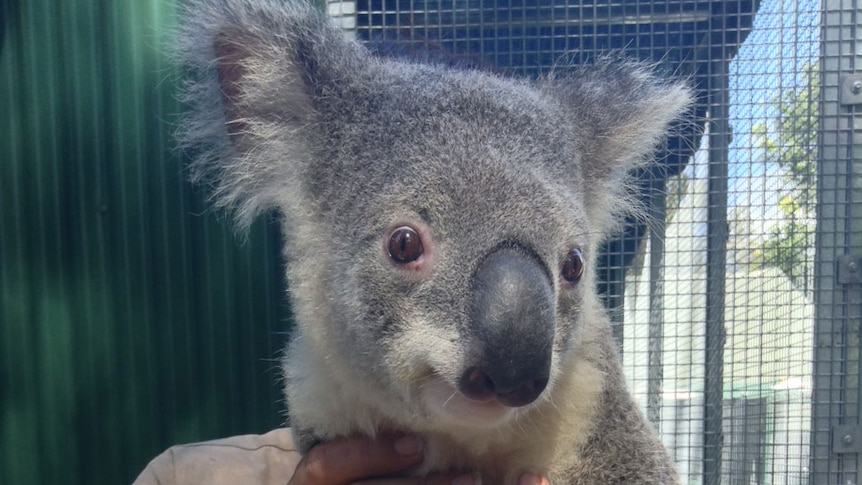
441	224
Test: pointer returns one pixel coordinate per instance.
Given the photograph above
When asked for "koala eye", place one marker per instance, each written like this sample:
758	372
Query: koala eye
405	246
573	266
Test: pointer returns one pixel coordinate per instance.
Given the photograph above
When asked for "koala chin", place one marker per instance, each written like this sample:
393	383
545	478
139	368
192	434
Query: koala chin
441	228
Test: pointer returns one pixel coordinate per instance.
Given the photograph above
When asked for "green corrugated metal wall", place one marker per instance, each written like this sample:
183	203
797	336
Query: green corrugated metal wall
130	317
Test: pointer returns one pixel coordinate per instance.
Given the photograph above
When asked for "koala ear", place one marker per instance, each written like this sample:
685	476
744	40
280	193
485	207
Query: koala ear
255	72
619	112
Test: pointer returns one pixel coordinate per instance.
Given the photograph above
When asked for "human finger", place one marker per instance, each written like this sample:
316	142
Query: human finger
349	460
528	478
437	479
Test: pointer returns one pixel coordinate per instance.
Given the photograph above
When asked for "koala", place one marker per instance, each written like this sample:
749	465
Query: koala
440	230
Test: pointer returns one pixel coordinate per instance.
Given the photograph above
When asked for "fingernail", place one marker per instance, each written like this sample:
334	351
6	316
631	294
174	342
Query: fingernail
467	480
408	446
529	479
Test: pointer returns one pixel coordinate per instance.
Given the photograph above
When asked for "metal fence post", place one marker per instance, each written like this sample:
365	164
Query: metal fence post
717	233
836	439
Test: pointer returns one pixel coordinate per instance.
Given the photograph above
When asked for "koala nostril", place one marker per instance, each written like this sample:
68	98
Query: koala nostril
476	384
524	394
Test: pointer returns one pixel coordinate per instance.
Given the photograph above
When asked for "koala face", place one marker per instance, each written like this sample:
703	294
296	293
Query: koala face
441	224
463	249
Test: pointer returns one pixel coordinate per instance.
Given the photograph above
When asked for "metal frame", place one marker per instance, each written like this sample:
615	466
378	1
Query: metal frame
835	446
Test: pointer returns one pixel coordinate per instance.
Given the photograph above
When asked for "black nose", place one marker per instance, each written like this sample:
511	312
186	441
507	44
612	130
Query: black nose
477	383
512	328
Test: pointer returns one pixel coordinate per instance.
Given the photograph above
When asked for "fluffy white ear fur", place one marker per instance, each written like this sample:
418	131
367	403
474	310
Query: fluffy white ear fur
620	111
252	70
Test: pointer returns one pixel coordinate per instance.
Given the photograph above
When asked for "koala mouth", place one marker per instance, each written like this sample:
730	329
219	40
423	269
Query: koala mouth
452	405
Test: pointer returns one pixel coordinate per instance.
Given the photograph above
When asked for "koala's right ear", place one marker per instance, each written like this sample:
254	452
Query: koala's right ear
619	111
255	72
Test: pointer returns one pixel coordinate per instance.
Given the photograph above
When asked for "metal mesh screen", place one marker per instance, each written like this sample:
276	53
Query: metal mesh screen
835	430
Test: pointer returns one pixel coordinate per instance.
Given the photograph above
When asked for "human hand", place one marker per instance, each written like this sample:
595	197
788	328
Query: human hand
362	461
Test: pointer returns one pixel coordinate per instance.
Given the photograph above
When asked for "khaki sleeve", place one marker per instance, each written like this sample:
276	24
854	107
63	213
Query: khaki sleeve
268	459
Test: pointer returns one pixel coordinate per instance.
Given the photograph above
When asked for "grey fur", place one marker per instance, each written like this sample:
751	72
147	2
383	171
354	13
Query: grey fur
287	114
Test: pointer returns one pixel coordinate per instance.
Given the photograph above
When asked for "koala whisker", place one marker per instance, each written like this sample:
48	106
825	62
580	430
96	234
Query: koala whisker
451	397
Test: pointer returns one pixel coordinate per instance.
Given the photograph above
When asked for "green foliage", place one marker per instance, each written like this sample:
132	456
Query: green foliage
790	141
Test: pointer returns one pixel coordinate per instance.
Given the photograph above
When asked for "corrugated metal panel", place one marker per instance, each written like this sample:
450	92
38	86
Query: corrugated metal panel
132	319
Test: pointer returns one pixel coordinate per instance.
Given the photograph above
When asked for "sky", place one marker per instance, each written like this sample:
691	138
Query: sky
784	40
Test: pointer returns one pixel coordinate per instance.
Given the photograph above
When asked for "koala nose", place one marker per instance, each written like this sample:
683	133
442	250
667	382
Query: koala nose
512	327
477	384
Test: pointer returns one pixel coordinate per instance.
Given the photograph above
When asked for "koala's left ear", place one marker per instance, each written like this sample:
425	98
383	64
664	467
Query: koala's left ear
259	75
619	112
